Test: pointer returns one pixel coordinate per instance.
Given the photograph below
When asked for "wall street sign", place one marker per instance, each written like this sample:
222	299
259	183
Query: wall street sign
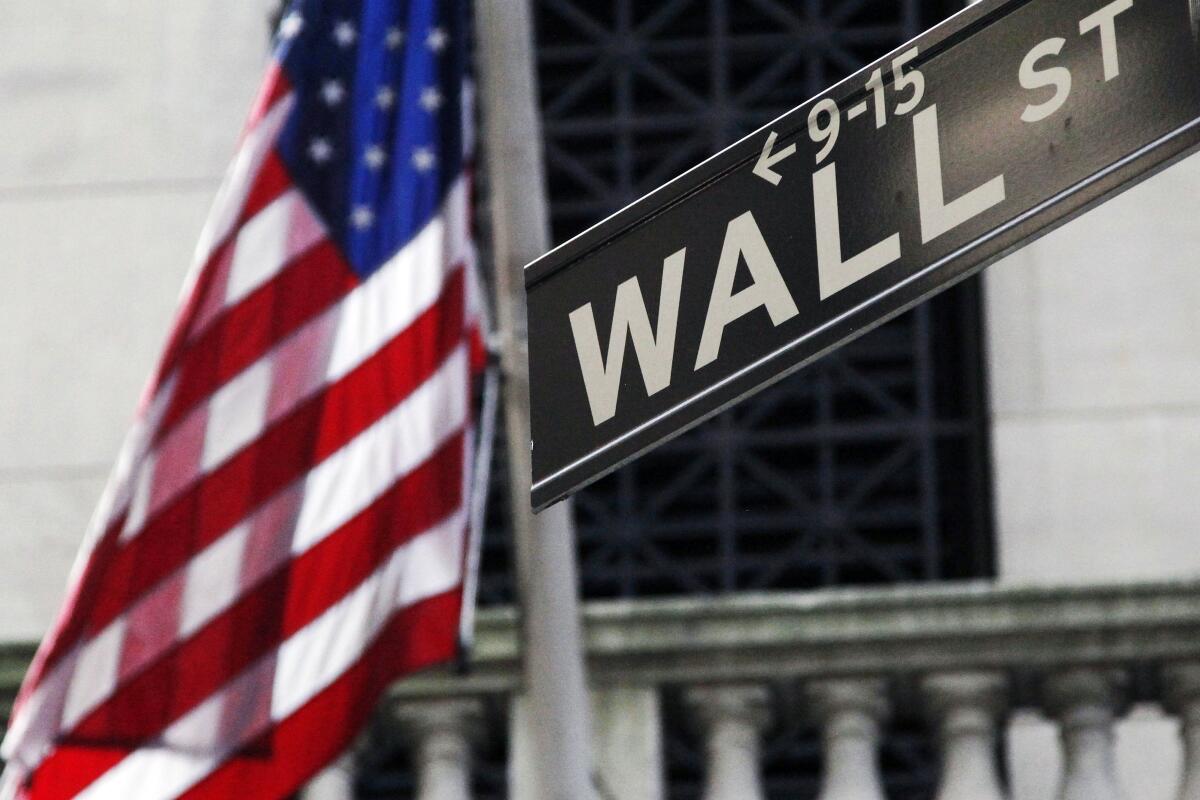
988	130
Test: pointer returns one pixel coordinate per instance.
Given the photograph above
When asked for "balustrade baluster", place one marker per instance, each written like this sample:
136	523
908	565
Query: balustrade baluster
965	706
442	732
850	711
1183	698
732	719
1083	701
335	782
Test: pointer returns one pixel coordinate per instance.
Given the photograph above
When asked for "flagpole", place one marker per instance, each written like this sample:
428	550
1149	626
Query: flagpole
551	722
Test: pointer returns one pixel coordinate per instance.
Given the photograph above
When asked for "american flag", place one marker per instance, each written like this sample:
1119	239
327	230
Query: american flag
284	533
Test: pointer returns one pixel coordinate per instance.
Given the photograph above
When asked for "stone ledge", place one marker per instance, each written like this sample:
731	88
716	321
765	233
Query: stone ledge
902	631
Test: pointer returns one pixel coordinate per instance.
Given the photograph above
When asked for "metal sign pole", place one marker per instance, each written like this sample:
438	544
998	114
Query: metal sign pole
552	748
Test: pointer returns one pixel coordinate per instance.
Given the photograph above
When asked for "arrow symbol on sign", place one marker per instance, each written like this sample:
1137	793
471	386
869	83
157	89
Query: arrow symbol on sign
768	159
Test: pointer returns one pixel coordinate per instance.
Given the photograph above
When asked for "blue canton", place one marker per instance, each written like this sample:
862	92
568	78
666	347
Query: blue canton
376	136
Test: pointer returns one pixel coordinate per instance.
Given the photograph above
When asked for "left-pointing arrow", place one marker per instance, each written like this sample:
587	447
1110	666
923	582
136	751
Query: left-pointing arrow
768	159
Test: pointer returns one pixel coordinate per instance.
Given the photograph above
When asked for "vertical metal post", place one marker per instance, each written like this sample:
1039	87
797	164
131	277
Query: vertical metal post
553	726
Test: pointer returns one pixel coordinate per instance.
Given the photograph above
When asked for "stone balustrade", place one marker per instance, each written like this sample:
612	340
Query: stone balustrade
961	658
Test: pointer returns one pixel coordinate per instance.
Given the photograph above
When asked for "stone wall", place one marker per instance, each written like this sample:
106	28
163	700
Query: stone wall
119	119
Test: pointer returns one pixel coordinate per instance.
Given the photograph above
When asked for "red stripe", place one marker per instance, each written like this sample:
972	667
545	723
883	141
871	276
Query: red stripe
290	598
248	330
311	432
300	745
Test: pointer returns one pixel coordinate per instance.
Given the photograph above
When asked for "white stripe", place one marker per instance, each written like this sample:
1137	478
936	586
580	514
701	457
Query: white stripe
95	674
139	505
150	773
213	580
268	242
308	662
362	322
347	482
236	415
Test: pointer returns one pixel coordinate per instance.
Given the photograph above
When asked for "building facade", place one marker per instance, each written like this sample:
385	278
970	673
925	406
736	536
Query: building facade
960	552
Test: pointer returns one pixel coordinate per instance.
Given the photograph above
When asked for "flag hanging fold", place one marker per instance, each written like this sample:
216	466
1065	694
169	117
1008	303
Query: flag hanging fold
284	531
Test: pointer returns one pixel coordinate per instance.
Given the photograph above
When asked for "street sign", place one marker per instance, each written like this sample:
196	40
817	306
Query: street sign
957	148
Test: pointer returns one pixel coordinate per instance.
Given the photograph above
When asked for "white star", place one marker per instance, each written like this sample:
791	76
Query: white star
344	33
437	40
362	217
332	92
291	26
320	150
385	98
424	159
375	157
395	38
431	99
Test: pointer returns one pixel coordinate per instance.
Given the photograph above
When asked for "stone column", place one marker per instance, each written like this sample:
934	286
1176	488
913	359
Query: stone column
732	719
965	706
335	782
1183	698
1083	702
627	740
850	712
442	732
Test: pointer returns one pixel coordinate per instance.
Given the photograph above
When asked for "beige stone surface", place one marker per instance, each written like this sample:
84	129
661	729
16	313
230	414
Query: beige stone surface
42	519
1103	496
1102	313
125	91
91	284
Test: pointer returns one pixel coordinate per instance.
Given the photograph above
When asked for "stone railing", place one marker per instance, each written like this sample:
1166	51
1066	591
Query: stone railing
964	657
